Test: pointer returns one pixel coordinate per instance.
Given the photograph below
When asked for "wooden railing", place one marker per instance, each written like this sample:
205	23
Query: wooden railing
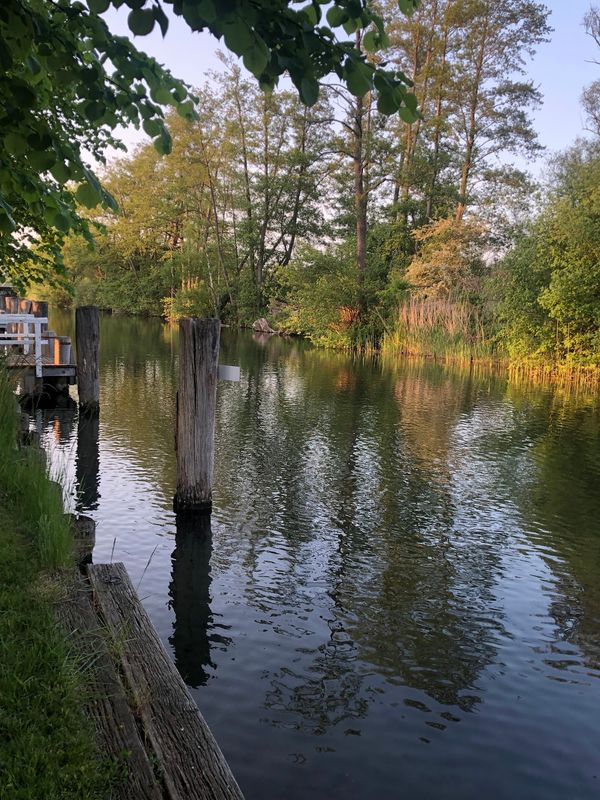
24	332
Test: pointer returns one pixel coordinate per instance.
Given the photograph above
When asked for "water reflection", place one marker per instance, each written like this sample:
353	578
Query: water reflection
194	627
87	462
395	549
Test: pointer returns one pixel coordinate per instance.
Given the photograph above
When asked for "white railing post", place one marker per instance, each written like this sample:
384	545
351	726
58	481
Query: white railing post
37	332
25	331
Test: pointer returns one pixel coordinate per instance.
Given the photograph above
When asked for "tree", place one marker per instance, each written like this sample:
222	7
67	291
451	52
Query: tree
67	82
550	281
591	96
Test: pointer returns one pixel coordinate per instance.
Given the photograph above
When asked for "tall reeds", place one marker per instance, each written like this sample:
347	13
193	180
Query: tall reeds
439	328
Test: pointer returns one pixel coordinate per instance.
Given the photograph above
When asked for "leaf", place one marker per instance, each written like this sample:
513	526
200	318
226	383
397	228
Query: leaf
163	143
238	35
152	127
207	10
187	109
87	195
408	115
411	102
109	200
388	102
358	77
98	6
370	42
58	220
382	81
7	222
351	25
309	90
141	21
161	18
42	160
15	144
34	65
61	172
256	57
94	110
161	95
336	16
407	6
311	13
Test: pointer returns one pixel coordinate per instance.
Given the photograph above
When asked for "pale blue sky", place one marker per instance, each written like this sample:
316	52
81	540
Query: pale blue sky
561	68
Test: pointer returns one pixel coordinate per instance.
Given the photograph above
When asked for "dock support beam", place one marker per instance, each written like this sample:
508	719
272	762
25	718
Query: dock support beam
196	403
87	336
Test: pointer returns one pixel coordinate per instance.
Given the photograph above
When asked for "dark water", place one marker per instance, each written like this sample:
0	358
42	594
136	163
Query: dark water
401	593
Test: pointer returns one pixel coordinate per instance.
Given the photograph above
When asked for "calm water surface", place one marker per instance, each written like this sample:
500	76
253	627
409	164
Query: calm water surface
400	593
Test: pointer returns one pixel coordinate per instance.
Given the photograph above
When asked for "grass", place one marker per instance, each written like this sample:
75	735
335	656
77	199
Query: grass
47	746
452	331
455	333
24	484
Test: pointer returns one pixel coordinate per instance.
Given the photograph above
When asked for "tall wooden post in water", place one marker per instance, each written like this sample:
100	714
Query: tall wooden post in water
87	337
196	402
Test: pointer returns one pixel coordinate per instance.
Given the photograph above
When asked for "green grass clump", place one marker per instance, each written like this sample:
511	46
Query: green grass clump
24	484
47	746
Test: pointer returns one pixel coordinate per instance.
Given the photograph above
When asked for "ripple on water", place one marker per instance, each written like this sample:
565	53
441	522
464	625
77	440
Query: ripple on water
399	585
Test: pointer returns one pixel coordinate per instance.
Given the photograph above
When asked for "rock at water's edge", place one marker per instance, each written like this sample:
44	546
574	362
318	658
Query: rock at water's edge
262	326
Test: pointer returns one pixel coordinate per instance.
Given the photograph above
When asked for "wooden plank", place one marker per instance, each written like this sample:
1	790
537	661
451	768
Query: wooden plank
117	731
194	767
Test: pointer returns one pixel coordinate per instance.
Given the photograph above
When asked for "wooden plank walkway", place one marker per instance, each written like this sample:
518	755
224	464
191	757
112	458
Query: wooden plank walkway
116	728
141	706
26	363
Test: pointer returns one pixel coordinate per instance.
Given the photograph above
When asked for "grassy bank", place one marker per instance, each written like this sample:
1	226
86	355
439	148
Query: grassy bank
47	747
456	333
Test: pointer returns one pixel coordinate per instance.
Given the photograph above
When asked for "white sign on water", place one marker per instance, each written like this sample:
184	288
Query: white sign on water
227	373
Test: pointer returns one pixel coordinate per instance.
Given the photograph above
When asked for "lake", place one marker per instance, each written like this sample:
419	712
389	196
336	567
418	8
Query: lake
398	594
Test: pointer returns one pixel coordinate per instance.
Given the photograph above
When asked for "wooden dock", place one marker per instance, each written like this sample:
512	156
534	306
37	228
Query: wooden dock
145	718
37	354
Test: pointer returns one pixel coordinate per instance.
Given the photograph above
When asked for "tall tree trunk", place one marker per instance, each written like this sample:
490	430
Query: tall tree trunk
293	226
437	130
360	195
471	132
247	193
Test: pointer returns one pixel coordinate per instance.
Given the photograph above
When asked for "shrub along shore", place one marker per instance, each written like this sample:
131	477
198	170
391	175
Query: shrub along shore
47	746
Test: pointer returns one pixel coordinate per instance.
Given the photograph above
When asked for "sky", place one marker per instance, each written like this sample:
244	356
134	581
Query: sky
561	68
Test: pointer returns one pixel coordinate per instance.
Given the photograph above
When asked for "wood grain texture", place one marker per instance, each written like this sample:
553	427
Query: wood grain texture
192	764
87	327
196	403
106	704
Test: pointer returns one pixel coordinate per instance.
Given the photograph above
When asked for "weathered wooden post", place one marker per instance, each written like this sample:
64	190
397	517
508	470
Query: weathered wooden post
87	337
39	308
196	402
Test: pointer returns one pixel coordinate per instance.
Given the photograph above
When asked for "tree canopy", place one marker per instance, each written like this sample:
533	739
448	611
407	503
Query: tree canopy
67	82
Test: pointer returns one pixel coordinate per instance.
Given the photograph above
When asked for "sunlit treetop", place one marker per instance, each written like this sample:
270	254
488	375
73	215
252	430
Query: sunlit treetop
67	82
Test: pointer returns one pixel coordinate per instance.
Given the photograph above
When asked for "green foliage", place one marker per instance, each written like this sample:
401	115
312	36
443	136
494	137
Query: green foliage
47	748
449	261
24	484
67	82
321	294
549	282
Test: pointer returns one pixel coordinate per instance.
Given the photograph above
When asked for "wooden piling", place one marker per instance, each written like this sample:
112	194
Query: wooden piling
196	402
39	308
87	334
